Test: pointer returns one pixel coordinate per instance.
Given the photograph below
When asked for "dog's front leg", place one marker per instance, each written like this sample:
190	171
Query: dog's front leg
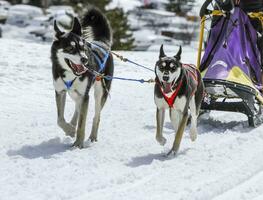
160	114
82	122
60	100
180	131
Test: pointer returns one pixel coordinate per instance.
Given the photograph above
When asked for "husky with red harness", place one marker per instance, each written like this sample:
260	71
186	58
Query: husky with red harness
178	87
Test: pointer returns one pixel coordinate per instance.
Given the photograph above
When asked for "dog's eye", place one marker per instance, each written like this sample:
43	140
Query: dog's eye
163	64
172	65
73	44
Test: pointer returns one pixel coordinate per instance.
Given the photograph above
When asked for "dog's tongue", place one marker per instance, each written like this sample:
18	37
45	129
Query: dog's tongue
167	87
78	68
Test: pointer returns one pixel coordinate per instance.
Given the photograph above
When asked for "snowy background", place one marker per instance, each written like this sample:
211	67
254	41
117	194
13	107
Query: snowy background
159	25
37	162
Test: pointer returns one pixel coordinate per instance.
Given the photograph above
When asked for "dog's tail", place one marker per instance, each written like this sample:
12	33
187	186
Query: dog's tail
96	26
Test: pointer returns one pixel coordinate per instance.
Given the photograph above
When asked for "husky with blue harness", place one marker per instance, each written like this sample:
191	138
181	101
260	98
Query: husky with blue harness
76	58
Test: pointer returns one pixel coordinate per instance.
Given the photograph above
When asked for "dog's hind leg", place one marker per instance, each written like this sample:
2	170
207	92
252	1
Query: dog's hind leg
82	122
60	100
99	103
160	114
193	129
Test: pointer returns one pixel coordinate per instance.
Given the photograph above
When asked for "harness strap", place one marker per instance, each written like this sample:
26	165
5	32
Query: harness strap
170	99
105	55
69	84
94	46
100	62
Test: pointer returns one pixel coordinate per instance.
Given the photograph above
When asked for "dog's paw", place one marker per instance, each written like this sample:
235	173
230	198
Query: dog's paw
161	140
79	144
172	152
92	139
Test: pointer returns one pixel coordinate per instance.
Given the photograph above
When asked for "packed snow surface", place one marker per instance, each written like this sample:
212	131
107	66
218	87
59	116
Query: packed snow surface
38	163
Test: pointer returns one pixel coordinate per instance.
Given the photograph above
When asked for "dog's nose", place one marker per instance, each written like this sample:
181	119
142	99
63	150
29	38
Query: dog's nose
84	60
166	78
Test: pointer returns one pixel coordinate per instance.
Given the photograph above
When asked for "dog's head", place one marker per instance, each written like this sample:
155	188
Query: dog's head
168	69
72	52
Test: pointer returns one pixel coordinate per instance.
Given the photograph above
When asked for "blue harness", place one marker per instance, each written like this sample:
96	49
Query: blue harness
68	84
101	56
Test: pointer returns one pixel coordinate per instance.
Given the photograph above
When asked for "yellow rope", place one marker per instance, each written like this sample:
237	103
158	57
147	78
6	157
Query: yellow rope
258	15
217	13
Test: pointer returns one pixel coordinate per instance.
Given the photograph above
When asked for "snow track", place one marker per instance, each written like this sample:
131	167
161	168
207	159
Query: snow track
126	163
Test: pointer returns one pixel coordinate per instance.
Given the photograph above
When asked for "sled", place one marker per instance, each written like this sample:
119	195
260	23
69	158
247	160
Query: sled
231	65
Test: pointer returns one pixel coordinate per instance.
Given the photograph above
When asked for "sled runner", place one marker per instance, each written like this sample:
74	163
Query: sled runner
231	65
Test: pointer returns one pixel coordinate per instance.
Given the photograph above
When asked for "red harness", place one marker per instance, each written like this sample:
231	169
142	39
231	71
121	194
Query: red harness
191	74
171	98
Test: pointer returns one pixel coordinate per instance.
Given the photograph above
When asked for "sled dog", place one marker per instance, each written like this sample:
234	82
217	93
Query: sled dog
75	55
178	87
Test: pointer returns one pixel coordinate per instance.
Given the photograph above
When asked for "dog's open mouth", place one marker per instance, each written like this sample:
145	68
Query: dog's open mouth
77	69
167	87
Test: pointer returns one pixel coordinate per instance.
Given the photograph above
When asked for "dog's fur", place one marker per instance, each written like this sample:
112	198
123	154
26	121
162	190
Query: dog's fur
169	72
70	60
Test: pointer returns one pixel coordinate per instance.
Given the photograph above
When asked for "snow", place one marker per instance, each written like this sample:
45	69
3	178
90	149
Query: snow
37	161
130	4
32	11
159	13
125	4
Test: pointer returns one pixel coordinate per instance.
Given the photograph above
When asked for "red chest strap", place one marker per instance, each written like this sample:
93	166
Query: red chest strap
171	98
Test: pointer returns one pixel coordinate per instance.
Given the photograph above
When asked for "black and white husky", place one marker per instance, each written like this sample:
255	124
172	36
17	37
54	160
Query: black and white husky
75	55
178	87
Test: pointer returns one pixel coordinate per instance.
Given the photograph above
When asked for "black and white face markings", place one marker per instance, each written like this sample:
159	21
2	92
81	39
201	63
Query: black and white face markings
75	51
72	52
168	69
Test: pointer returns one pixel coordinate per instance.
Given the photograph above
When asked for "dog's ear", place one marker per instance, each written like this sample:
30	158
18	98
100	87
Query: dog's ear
58	32
178	55
76	27
162	54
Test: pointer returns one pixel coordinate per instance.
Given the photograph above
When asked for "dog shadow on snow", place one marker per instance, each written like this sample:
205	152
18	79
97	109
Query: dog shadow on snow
45	149
206	124
148	159
167	128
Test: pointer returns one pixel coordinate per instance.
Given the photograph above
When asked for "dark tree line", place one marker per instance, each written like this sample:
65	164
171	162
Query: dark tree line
122	36
180	7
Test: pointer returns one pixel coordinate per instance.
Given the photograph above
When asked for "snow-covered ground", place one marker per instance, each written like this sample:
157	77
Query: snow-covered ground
125	4
37	162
